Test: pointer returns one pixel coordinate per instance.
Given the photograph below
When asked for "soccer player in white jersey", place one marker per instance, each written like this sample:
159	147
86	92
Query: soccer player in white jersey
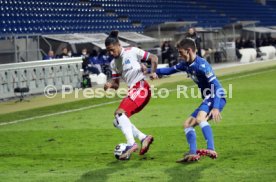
127	65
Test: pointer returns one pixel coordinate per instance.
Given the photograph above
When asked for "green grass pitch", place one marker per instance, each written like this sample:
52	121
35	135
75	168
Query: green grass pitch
78	146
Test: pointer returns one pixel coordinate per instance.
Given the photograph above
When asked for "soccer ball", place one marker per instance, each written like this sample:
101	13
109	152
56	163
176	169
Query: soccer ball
119	150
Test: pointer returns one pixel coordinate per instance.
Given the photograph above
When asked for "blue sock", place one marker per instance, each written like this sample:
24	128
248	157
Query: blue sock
208	134
191	139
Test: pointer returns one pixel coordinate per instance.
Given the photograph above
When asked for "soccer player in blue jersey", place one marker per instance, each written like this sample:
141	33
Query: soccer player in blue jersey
213	102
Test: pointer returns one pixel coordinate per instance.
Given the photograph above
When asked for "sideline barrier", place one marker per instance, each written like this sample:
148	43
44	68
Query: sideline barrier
38	74
248	55
268	52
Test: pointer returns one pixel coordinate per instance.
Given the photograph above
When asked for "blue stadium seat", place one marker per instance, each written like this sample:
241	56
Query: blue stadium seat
67	16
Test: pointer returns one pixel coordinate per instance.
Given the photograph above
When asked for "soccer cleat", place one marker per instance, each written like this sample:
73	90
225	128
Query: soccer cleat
189	158
207	152
129	151
146	142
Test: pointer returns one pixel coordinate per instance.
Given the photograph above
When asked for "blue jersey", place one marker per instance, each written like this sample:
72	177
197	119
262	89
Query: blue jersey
105	59
202	74
94	60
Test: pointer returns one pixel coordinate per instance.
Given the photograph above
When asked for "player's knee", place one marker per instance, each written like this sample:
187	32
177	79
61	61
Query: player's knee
186	124
118	112
116	123
201	117
199	120
189	122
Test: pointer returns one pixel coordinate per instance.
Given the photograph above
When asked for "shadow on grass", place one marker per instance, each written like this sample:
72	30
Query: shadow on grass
103	174
186	172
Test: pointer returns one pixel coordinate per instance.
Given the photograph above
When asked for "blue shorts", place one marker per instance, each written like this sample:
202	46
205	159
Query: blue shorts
207	106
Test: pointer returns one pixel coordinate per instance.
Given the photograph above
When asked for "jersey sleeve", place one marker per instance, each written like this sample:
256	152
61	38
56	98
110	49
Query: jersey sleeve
207	71
171	70
141	54
181	66
217	97
212	79
115	74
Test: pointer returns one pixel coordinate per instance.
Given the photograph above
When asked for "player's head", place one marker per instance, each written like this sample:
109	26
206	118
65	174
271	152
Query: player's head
187	49
112	44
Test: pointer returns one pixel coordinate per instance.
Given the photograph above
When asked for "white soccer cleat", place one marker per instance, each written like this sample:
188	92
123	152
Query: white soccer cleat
130	149
146	142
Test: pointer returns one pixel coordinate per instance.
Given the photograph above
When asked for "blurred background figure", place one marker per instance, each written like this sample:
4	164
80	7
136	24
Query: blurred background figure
94	61
70	54
88	65
104	60
193	35
64	53
166	52
84	53
49	56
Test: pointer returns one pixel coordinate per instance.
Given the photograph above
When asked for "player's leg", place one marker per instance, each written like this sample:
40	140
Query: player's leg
189	130
190	134
206	129
132	104
205	108
123	123
137	133
208	135
146	140
127	108
142	95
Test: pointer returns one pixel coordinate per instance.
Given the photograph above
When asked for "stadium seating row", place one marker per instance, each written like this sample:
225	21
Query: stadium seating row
69	16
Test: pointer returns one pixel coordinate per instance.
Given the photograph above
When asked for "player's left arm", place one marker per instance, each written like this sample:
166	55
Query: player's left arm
115	83
146	56
144	69
215	113
212	79
154	62
181	66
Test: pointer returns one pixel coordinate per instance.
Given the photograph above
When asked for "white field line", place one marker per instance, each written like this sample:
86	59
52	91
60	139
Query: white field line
112	102
59	113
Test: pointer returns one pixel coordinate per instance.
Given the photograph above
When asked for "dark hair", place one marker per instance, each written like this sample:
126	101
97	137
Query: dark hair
112	38
186	43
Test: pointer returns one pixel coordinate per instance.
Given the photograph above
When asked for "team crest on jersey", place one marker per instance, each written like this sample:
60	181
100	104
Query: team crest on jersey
127	61
209	74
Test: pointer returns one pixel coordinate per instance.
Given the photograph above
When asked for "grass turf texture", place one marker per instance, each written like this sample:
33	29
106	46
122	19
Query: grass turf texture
79	146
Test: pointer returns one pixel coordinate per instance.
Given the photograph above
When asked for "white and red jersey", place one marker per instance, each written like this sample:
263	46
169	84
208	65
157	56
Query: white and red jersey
128	65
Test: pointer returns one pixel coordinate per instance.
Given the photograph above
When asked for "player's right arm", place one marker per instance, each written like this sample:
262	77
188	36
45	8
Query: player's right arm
115	83
171	70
